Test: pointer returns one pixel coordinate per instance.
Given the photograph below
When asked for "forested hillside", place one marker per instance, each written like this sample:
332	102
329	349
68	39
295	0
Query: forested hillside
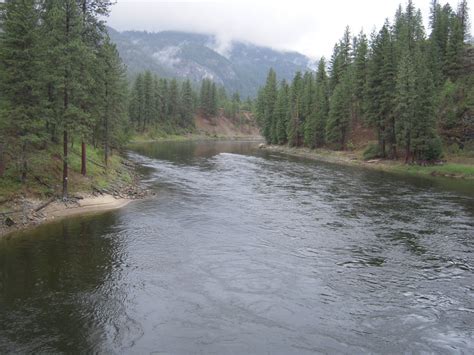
62	82
159	105
241	68
67	105
413	90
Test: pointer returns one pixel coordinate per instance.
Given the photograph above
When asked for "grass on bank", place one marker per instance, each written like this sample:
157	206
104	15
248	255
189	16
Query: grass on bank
447	169
44	177
458	164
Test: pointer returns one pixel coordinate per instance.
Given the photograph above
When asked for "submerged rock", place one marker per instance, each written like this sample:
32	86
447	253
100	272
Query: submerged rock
9	222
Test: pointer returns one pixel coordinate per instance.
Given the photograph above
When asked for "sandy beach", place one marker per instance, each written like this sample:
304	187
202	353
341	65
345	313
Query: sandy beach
27	215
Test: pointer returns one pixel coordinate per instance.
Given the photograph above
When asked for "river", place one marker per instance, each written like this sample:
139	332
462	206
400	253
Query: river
247	251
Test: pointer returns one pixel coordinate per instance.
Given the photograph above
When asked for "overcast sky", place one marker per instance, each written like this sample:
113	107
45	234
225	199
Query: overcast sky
309	27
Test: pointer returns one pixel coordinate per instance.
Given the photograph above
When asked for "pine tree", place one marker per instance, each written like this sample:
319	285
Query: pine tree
455	49
20	66
187	105
213	99
148	100
173	103
113	98
307	107
380	91
270	96
360	76
294	128
338	123
94	36
137	103
440	23
321	104
282	113
64	25
406	97
426	143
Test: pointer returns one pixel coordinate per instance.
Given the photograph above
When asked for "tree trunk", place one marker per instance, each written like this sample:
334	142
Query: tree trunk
65	164
24	163
106	145
2	161
106	126
383	148
83	159
407	152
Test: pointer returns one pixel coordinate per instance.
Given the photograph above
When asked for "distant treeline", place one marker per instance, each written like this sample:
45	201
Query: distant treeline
412	89
170	105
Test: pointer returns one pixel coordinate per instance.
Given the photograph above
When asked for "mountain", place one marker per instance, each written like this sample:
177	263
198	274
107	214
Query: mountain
241	67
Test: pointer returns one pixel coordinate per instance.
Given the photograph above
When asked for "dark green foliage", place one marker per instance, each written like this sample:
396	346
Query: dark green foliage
411	90
61	78
159	103
295	128
186	105
338	122
20	62
371	152
208	98
381	90
282	113
315	125
270	97
360	76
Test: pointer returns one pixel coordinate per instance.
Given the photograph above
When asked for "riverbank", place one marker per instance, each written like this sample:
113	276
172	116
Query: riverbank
219	127
146	138
449	169
38	200
28	212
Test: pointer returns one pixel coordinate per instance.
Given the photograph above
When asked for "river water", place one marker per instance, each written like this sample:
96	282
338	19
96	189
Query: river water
246	251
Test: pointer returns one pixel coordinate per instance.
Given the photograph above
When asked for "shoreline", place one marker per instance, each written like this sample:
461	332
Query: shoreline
194	137
29	216
353	159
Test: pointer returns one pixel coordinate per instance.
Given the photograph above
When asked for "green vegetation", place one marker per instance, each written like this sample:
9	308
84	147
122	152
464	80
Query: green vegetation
63	89
162	108
45	172
64	99
410	91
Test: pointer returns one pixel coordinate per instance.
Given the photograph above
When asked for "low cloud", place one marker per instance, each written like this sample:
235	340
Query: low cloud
310	27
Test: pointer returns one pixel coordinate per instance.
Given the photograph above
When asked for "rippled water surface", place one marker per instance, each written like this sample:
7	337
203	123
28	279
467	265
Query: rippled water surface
245	251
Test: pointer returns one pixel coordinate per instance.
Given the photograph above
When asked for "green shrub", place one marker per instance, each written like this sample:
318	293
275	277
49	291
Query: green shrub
433	150
371	152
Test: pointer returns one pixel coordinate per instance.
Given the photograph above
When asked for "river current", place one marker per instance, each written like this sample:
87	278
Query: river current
247	251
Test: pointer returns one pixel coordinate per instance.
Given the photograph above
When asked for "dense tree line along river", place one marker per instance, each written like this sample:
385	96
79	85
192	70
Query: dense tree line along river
245	251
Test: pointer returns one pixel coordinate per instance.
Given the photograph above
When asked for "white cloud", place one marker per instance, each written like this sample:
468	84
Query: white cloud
310	27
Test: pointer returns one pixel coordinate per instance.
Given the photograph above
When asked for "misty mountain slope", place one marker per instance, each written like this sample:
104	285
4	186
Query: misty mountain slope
241	67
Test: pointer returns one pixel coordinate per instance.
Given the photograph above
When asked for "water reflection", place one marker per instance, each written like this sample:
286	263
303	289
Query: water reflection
247	251
50	281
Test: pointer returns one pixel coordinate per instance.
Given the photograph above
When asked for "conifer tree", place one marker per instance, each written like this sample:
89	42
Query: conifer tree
338	123
64	23
380	91
20	68
173	101
360	76
282	113
113	118
294	127
321	104
270	96
406	97
187	105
